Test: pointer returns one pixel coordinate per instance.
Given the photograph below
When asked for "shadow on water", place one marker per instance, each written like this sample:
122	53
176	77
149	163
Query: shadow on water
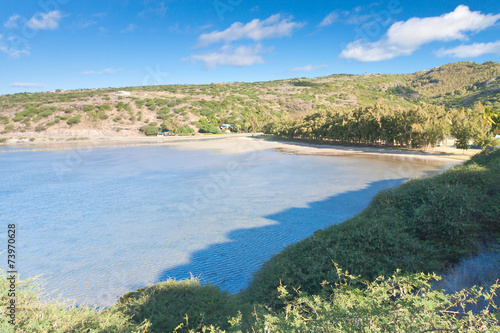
230	265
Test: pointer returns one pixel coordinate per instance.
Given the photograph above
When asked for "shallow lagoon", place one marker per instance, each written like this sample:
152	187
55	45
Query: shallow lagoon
97	223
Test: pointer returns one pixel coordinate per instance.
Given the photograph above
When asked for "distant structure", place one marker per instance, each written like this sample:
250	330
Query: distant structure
122	93
226	127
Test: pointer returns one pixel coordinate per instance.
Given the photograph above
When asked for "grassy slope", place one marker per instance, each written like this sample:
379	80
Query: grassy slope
247	104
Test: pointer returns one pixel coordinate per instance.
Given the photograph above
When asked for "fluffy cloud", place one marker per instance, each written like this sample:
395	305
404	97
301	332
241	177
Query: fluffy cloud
131	27
227	55
26	85
403	38
273	27
12	21
8	46
45	21
307	68
104	71
329	19
474	50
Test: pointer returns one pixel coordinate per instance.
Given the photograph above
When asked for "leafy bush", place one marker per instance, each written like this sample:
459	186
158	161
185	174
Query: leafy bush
139	103
119	106
400	303
8	128
209	128
104	107
88	108
69	110
117	118
166	304
149	130
73	120
303	83
150	104
185	130
163	113
4	120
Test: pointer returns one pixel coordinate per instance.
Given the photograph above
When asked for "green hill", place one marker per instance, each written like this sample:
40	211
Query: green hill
185	109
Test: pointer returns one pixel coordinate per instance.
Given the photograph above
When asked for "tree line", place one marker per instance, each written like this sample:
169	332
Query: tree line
416	126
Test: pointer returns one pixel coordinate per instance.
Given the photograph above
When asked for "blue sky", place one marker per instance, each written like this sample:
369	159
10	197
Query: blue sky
69	44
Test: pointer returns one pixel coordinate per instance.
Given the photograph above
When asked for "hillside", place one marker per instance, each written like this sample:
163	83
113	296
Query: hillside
186	109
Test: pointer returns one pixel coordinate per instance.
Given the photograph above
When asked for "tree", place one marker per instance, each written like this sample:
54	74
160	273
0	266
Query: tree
465	126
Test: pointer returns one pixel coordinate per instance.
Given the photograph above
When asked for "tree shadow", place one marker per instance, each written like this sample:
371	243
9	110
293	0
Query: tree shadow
231	265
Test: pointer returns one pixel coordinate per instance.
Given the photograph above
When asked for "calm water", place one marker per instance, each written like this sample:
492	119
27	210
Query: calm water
98	223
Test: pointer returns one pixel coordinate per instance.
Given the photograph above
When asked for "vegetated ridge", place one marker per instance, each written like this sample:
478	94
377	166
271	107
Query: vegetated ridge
187	109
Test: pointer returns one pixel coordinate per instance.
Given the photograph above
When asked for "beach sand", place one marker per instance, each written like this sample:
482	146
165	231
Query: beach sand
234	144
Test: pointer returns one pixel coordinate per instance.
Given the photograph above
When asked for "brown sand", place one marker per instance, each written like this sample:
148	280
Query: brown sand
237	144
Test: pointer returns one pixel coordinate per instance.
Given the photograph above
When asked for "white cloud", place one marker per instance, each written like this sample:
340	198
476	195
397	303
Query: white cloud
104	71
12	21
230	56
159	9
273	27
329	19
13	53
307	68
474	50
45	21
131	27
26	85
86	24
403	38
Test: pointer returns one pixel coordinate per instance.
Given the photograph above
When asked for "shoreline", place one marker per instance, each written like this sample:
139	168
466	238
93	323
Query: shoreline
234	144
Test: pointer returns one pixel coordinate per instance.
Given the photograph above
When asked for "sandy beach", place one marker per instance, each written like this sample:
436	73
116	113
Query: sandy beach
233	144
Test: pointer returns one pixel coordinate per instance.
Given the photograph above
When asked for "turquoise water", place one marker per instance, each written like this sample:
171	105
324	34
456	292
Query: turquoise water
96	223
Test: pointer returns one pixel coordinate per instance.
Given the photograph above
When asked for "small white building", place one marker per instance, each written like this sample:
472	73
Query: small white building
122	93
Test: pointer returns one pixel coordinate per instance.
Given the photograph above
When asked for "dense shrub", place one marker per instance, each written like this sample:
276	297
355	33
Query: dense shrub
166	304
400	303
149	130
185	130
8	128
73	120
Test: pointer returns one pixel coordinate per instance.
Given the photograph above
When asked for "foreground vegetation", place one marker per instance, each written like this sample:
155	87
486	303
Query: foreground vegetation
250	107
371	273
